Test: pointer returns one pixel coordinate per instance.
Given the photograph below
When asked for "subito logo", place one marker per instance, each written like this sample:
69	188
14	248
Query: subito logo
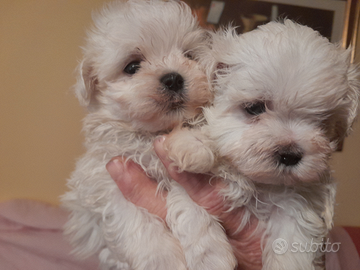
280	246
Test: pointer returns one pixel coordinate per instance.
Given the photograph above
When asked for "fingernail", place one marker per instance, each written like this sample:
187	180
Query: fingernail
115	168
159	147
175	168
160	139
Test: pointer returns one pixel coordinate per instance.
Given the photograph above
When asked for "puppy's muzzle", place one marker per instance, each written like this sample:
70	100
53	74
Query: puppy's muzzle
173	82
288	157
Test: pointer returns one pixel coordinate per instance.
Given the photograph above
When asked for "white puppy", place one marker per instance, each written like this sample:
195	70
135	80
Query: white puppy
139	78
284	97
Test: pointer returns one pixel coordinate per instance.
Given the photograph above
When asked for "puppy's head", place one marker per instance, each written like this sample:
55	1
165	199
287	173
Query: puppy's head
285	96
141	65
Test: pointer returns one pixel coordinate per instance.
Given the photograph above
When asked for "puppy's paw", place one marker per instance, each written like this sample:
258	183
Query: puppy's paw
109	262
190	150
203	240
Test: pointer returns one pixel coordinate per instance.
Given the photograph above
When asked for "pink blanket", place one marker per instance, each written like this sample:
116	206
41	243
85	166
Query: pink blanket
31	239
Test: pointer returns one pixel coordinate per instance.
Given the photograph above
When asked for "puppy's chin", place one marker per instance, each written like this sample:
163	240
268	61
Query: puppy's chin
289	177
164	120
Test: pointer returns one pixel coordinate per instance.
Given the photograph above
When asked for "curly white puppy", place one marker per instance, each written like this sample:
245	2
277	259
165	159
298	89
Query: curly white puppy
139	78
284	97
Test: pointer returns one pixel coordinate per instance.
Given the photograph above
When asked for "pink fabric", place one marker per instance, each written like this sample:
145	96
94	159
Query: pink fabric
31	238
347	257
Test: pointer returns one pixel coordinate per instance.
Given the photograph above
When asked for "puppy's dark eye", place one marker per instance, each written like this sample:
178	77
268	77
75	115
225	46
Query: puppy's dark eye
189	55
256	108
132	67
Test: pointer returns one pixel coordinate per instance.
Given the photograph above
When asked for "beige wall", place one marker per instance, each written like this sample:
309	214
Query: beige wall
40	120
346	165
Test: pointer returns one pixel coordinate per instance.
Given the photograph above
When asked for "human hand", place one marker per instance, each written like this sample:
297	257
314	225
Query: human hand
139	189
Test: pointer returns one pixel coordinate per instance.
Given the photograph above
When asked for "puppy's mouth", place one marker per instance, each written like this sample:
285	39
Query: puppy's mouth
174	103
175	106
170	103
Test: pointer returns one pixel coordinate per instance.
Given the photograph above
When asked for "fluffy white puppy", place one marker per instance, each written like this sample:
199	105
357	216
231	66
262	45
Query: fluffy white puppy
139	78
284	97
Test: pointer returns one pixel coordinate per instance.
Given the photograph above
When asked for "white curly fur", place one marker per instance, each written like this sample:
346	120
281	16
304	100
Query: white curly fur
127	110
284	97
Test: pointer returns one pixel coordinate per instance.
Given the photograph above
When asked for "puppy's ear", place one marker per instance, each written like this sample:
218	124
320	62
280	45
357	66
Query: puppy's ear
86	85
353	94
329	192
342	126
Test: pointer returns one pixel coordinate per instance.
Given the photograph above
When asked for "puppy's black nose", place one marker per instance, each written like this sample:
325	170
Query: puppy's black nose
173	81
289	158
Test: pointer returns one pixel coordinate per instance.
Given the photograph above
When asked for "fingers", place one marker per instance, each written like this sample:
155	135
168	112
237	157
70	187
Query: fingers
136	186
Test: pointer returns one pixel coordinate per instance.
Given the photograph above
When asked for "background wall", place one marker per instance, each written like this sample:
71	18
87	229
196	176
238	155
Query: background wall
40	119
